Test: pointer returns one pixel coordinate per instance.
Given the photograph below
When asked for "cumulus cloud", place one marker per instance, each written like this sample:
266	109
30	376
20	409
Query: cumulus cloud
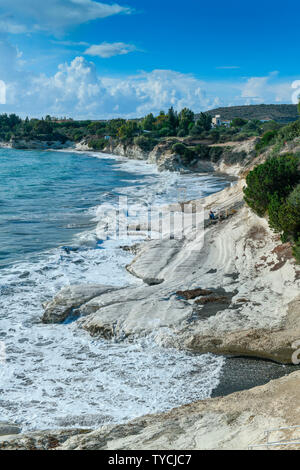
106	50
78	90
267	88
54	15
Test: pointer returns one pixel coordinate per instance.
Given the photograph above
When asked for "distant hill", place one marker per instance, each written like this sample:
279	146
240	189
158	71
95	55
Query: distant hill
282	113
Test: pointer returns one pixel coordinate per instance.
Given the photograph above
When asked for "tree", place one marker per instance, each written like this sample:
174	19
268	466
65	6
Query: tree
128	130
238	122
43	127
148	122
203	124
278	175
204	121
173	120
114	125
186	117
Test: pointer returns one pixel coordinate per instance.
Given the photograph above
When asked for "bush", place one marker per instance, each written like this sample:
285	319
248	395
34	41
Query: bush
181	133
202	151
97	144
296	251
231	157
179	148
276	176
145	143
165	132
267	139
289	132
187	155
215	153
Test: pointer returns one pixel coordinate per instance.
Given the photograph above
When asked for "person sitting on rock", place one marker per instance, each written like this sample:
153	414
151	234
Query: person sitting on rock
212	215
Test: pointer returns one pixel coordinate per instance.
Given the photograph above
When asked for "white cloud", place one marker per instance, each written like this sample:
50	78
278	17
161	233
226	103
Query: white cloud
70	43
54	15
228	67
8	26
106	50
266	89
78	90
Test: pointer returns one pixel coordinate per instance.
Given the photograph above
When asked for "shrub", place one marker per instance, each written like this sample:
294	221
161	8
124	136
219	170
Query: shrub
181	133
202	151
165	132
267	139
215	153
296	251
145	143
289	132
179	148
231	157
187	155
238	122
277	175
97	144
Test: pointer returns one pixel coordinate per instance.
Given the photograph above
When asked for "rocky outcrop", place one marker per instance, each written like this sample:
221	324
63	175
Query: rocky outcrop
131	151
234	422
8	428
252	304
42	440
23	144
69	300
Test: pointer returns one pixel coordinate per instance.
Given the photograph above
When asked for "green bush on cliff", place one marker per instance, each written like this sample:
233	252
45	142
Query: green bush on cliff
187	154
267	139
145	143
215	153
274	188
296	251
202	151
97	144
276	176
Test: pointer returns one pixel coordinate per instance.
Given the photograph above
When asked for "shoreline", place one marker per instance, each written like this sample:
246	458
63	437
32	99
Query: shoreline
244	373
269	336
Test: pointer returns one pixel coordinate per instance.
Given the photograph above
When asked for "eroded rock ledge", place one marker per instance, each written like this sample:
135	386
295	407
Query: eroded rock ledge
233	422
251	284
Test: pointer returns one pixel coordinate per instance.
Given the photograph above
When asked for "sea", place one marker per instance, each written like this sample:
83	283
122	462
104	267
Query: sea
57	376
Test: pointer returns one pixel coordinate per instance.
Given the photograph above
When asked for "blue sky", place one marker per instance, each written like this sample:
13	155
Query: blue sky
86	58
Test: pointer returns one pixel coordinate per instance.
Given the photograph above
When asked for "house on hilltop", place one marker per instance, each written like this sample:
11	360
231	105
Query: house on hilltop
217	121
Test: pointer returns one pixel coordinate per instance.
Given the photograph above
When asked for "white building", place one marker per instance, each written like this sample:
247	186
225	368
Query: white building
217	121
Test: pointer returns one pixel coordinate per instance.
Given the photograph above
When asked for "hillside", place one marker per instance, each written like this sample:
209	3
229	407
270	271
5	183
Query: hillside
283	113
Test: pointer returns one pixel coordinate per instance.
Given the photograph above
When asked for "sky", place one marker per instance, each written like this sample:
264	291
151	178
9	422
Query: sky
91	59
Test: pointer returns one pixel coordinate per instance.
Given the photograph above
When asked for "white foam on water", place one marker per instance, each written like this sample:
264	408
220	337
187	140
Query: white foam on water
57	375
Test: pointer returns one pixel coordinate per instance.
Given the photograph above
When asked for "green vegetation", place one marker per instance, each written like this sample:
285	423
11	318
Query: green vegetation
273	188
145	132
282	113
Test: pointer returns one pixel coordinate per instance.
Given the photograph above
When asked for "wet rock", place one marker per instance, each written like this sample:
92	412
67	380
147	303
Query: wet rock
41	440
213	299
9	428
193	294
69	299
233	422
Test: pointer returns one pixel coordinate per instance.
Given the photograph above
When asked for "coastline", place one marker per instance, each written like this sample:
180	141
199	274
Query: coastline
269	337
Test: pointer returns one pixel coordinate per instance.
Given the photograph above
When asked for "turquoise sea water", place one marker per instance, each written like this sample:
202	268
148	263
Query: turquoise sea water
57	375
44	197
